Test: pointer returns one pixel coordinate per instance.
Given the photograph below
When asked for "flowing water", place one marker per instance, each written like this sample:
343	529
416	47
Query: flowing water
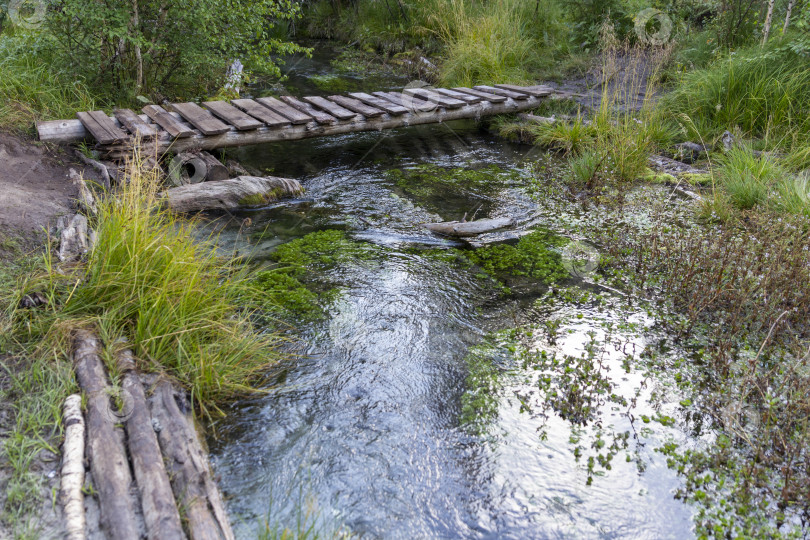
368	432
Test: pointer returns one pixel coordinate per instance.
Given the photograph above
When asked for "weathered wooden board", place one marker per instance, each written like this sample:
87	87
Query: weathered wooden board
319	116
536	91
501	92
279	107
296	132
467	98
134	124
167	121
260	112
232	115
435	97
200	118
357	106
101	127
487	96
414	104
332	108
379	103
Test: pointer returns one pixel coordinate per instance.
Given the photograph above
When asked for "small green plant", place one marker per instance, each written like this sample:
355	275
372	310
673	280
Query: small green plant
746	178
531	258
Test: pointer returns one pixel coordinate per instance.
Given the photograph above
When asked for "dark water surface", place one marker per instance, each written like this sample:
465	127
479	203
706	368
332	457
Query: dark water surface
366	433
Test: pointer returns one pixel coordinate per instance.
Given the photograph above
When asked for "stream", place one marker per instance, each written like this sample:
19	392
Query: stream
375	430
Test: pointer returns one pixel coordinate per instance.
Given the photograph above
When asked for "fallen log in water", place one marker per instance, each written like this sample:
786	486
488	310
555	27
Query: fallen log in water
462	229
73	468
157	501
229	194
105	441
191	479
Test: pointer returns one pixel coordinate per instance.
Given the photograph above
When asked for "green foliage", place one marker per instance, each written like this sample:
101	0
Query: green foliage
320	250
149	279
760	90
531	258
176	47
33	87
506	42
748	179
568	137
428	180
284	295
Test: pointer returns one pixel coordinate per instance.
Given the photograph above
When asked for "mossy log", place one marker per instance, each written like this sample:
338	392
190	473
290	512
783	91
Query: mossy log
187	465
105	441
230	194
160	513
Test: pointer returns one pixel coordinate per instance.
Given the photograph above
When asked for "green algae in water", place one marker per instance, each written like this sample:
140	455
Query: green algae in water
287	297
486	366
320	250
530	258
429	181
286	291
333	83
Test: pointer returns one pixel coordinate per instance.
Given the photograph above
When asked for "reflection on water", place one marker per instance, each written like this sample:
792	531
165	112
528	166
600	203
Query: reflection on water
367	428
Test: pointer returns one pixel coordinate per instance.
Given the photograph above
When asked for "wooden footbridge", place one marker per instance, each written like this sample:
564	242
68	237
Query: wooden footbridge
219	124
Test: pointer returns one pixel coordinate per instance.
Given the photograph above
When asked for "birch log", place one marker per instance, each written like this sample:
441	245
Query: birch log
229	194
469	228
73	468
105	441
157	501
188	468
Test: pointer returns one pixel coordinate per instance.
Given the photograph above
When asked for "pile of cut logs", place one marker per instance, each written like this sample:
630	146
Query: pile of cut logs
149	471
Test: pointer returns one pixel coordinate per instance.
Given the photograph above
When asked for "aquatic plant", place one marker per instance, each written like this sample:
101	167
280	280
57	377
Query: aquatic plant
319	250
530	258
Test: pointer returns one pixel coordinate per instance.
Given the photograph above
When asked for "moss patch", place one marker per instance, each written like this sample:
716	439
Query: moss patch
333	83
320	250
530	258
430	181
657	177
285	296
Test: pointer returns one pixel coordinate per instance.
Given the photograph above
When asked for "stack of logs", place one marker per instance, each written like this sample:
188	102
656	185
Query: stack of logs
147	463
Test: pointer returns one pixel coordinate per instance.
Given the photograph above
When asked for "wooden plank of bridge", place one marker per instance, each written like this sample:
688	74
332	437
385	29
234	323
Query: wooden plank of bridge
434	97
502	92
319	116
332	108
379	103
101	127
486	96
279	107
232	115
134	124
411	103
470	100
357	106
536	91
168	122
201	119
260	112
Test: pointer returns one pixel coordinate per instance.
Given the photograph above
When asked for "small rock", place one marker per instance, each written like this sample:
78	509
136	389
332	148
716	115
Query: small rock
690	152
32	300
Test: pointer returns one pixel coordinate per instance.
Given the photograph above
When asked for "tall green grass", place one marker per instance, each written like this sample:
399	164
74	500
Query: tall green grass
32	88
504	41
148	278
758	90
